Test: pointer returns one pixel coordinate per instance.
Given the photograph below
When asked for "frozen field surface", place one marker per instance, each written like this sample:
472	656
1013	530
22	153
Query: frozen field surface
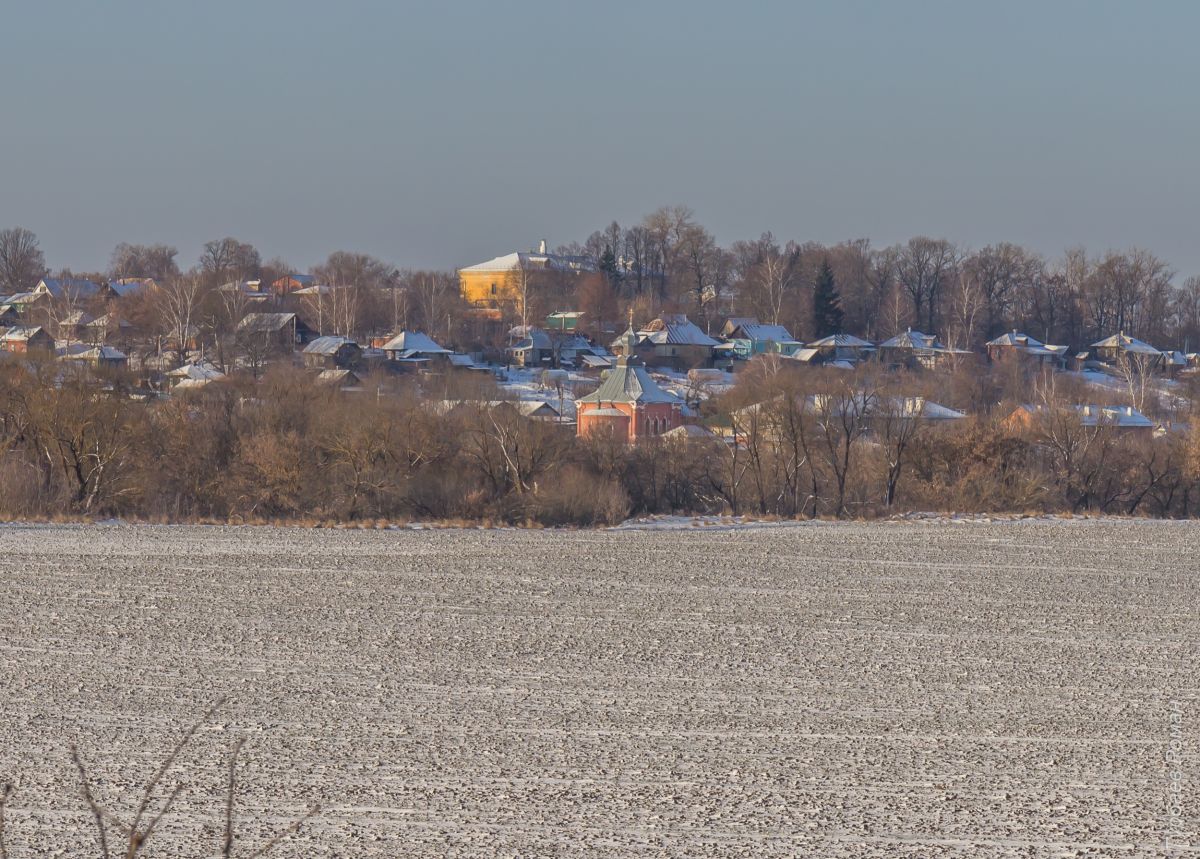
892	689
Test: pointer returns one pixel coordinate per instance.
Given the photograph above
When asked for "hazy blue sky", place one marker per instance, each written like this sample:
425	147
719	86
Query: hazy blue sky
441	134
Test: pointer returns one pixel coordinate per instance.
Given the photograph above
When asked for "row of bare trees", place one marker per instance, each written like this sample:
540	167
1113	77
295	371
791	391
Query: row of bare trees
798	444
670	261
965	295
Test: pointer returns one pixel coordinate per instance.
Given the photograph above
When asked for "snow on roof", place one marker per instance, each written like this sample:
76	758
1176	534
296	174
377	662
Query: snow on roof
414	342
249	288
327	345
265	322
97	353
1127	344
339	376
765	333
79	317
595	361
21	333
199	372
805	355
733	323
676	329
607	412
69	350
531	337
1123	417
628	382
912	340
694	431
60	286
461	360
532	261
931	411
844	341
1015	338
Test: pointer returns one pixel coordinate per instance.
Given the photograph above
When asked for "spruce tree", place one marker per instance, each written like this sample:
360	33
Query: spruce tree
827	306
608	265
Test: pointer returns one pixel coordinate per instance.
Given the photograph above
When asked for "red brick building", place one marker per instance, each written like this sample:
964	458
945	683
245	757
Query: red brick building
628	403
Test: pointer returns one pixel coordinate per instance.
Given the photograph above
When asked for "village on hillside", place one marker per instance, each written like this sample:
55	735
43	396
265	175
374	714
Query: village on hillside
597	347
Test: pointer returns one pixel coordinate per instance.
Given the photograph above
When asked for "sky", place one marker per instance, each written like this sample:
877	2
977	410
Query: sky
442	134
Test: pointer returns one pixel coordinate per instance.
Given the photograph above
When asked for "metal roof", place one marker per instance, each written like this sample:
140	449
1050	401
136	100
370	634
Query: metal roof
415	342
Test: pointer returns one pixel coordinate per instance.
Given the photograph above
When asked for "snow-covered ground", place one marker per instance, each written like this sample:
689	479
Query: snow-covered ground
835	690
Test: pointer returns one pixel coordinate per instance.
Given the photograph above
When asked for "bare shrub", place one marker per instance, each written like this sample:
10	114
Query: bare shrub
579	498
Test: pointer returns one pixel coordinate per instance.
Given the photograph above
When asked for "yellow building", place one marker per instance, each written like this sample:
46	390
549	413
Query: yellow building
507	280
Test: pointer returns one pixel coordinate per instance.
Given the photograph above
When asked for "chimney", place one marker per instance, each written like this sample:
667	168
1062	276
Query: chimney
542	246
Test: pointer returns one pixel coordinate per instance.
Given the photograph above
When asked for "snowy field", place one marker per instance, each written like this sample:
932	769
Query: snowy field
895	689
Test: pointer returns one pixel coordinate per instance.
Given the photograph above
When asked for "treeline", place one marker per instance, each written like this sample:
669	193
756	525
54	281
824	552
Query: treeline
966	296
833	444
671	262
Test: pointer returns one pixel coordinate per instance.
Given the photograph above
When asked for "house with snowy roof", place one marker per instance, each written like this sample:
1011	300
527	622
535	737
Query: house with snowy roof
413	346
1120	347
331	352
193	375
504	280
98	357
69	288
751	337
914	349
1020	346
845	348
629	404
285	330
1125	419
26	339
671	340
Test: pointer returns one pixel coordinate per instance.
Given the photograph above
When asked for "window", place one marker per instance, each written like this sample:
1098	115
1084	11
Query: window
493	289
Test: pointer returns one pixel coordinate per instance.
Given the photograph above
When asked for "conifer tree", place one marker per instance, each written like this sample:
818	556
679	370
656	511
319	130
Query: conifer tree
827	305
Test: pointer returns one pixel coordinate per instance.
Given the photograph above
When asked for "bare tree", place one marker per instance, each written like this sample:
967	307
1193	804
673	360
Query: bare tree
924	268
228	259
153	261
1138	371
178	303
841	419
22	263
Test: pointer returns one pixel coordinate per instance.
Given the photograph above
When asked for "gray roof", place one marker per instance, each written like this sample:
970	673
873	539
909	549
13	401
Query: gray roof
21	332
265	322
1123	417
628	382
327	345
98	353
845	341
1127	344
675	329
912	340
1015	338
762	333
416	342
